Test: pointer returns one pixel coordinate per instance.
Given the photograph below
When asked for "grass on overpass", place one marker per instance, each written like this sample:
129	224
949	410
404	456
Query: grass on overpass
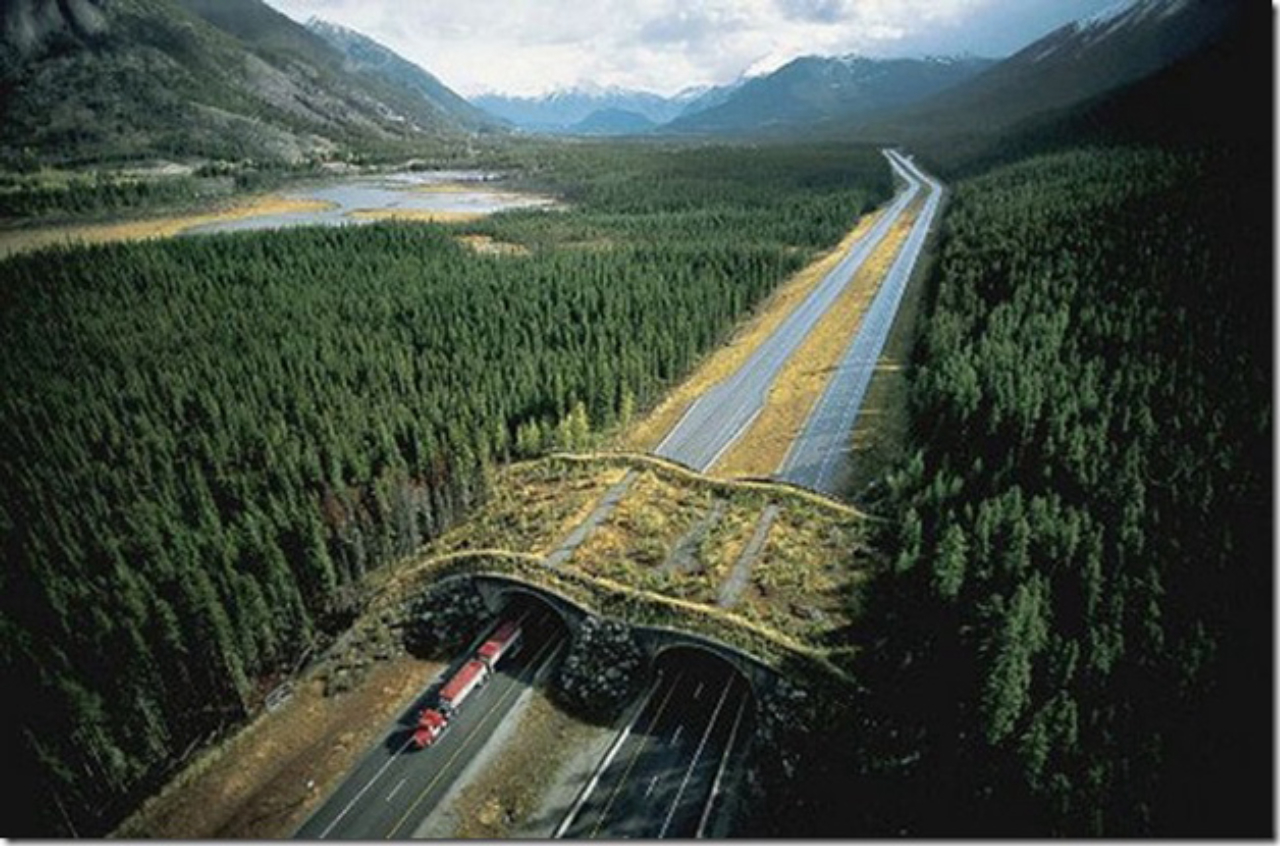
797	605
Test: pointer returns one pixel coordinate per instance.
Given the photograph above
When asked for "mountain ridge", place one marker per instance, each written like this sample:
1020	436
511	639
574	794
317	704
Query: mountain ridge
1073	63
816	89
612	122
366	55
87	81
559	111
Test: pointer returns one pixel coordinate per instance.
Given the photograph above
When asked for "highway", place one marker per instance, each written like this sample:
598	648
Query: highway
721	415
819	457
659	778
394	787
662	777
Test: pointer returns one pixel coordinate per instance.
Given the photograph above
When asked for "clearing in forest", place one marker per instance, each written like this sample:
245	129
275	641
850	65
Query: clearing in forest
761	449
13	241
646	433
799	587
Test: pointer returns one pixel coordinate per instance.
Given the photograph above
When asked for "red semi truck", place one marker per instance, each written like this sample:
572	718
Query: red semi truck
473	674
433	721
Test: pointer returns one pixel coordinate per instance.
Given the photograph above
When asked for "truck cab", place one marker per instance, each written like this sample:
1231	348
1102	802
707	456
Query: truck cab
430	726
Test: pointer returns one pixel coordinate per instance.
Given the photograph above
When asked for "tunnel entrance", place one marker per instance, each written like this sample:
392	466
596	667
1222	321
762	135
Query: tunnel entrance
515	601
683	752
700	661
509	645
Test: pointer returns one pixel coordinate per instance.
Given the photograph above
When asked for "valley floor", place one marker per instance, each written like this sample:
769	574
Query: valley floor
266	781
24	239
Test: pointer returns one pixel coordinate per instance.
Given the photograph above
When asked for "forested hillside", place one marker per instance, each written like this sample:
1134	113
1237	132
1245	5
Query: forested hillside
205	443
1075	635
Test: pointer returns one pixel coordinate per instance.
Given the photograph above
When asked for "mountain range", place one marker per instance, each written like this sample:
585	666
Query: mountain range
807	90
561	112
1074	63
94	80
814	89
364	55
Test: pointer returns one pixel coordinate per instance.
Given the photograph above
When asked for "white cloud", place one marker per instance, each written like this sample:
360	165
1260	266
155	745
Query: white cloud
533	46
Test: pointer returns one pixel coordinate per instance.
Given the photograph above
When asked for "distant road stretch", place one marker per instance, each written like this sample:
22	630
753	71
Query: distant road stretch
819	457
661	778
392	790
720	416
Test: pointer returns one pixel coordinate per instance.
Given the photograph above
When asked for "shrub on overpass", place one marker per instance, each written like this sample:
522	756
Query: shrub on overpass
602	670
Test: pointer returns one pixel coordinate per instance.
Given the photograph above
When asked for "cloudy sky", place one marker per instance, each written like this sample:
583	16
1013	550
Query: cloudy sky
530	47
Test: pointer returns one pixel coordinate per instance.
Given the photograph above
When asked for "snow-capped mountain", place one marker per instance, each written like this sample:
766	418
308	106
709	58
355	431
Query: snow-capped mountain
816	89
560	111
1080	60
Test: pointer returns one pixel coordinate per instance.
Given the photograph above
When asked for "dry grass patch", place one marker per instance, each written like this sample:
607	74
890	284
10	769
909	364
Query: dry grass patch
725	543
649	431
488	246
416	215
533	507
761	449
255	785
801	584
448	188
636	539
22	240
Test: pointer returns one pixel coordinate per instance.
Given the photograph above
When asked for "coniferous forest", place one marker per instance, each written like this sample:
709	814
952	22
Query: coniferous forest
207	442
1074	635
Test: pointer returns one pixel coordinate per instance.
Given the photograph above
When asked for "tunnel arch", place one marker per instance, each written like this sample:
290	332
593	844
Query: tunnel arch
497	589
664	645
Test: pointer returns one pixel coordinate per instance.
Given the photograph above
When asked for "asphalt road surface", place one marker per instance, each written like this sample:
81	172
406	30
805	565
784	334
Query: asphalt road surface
819	458
659	780
393	789
724	411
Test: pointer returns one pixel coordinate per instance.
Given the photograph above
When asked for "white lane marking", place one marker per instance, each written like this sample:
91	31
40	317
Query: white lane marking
733	439
390	760
724	762
604	765
787	337
694	763
658	450
676	737
396	789
471	648
503	697
697	693
652	782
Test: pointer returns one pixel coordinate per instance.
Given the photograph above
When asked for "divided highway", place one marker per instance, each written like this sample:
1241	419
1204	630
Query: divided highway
819	458
390	793
723	412
662	775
